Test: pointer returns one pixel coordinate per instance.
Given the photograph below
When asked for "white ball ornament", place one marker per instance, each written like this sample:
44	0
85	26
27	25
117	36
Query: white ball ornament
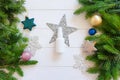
96	20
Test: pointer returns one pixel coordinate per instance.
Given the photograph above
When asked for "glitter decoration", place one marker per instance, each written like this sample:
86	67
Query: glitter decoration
89	47
33	45
66	30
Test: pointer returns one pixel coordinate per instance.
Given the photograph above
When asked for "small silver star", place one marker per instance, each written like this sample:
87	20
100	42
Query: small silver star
89	47
66	30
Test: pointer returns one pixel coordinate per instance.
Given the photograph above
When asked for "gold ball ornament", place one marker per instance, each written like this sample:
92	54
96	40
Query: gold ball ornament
96	20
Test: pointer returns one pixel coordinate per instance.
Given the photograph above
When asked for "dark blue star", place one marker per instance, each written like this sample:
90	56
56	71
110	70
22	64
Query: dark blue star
29	23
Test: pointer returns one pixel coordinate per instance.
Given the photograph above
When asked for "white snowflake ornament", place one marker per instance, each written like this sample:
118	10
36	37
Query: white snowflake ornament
80	63
33	45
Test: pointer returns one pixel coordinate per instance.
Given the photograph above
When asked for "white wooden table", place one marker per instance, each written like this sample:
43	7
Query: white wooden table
52	66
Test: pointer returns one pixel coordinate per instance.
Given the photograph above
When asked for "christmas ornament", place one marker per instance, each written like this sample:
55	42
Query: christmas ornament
80	63
89	47
66	30
26	56
28	23
33	45
92	31
12	41
106	59
96	20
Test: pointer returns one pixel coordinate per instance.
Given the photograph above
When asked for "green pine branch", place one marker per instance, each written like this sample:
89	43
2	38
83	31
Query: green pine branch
12	42
107	56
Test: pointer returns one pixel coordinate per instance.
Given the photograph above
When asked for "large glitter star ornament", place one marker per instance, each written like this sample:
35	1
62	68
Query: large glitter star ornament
89	47
66	30
28	23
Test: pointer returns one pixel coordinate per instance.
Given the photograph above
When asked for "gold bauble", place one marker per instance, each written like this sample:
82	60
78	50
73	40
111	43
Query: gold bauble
96	20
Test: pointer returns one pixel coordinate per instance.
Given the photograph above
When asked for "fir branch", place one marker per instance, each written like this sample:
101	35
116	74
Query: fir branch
19	70
107	56
99	6
111	49
102	56
32	62
12	42
93	70
6	76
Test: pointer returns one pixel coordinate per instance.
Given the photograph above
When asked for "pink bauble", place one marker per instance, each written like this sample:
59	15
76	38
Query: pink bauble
26	56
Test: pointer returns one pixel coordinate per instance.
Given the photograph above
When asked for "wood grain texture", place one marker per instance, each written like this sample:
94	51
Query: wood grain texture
53	66
51	4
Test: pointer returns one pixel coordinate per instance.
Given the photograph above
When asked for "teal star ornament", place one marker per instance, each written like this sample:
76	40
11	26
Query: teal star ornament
28	23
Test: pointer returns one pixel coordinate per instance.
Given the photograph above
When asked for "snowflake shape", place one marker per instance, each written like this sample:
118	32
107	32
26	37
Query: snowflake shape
80	63
33	45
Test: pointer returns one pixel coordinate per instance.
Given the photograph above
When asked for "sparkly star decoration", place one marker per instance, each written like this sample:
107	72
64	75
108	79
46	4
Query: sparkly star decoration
28	23
66	30
89	47
33	45
80	63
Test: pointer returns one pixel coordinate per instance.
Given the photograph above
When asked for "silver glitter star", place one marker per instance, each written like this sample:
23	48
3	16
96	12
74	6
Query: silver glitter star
89	47
66	30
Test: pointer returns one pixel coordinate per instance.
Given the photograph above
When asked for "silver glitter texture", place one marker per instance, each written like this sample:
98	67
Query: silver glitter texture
66	30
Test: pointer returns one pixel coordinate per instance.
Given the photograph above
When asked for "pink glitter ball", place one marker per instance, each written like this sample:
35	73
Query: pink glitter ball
26	56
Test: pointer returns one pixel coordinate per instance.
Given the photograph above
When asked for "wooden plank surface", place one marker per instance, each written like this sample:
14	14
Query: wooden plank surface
51	4
53	66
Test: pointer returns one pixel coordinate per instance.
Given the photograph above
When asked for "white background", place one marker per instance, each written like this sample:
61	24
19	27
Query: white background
52	66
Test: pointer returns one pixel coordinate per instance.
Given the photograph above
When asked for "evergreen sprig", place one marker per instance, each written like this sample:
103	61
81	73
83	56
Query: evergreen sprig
12	42
107	56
